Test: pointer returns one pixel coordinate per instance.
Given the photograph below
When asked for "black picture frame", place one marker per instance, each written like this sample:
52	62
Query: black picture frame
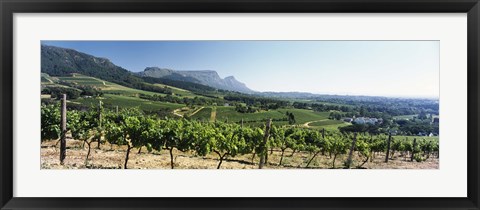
10	7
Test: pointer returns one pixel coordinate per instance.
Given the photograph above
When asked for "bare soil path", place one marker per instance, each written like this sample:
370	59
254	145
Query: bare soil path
176	112
196	111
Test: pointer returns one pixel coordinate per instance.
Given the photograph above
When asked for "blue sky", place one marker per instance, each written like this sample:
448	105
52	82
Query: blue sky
379	68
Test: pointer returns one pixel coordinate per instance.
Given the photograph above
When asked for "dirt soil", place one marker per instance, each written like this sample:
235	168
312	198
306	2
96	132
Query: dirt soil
113	157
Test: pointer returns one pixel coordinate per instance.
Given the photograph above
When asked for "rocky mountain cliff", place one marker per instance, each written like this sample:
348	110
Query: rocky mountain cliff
204	77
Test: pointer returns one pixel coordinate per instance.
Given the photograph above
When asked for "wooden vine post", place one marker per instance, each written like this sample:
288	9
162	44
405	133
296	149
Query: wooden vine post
349	161
388	146
264	145
63	127
413	149
99	121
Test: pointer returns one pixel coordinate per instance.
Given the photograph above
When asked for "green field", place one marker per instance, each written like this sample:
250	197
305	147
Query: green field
326	122
332	126
127	101
84	80
179	92
229	114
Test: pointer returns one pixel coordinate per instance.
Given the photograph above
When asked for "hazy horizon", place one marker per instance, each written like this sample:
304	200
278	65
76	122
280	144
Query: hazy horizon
369	68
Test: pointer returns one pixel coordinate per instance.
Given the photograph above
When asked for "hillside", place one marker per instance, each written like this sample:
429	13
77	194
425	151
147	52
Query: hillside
204	77
57	61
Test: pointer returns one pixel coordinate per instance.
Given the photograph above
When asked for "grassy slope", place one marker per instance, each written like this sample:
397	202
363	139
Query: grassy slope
122	97
229	113
127	101
106	87
332	126
179	92
302	116
326	122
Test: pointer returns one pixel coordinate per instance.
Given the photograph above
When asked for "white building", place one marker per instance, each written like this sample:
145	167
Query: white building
366	120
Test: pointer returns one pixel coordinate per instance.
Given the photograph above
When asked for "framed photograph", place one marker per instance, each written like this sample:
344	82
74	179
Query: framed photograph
239	104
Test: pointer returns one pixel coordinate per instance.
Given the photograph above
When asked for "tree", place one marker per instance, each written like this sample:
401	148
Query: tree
277	139
363	148
127	132
173	135
203	137
281	137
291	118
338	146
298	137
229	140
133	130
363	112
377	144
116	134
83	127
263	148
313	144
152	134
397	145
254	138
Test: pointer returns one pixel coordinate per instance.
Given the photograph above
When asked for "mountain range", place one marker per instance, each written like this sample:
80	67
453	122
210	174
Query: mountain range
204	77
57	61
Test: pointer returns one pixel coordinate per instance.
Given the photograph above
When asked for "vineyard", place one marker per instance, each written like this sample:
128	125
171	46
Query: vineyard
97	131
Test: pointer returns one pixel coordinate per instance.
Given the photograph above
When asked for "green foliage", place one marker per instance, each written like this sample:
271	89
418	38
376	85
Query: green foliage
58	91
417	157
378	143
338	144
203	136
335	115
362	145
134	128
313	141
115	134
80	124
291	118
152	134
50	122
174	134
